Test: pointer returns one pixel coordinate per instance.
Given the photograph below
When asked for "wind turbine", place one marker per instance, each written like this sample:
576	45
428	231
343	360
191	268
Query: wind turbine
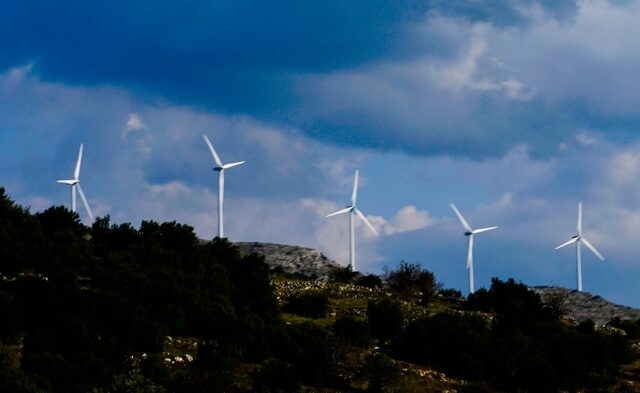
352	209
75	184
220	168
469	233
578	239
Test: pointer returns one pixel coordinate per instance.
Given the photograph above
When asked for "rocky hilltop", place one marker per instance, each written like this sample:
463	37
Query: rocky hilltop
582	306
292	259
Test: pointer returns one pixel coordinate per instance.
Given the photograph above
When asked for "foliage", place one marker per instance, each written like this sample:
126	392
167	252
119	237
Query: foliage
411	280
522	348
311	304
89	310
310	349
380	371
369	281
451	294
385	317
275	376
352	330
342	274
631	328
133	383
82	300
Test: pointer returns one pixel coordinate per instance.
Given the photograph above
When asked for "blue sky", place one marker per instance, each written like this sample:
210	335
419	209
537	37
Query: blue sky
514	111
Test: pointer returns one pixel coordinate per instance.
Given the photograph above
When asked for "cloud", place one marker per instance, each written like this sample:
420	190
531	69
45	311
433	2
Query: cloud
406	219
426	77
134	123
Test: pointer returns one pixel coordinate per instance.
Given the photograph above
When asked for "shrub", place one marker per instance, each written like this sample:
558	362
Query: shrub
451	294
275	376
342	274
369	281
380	371
311	304
309	349
631	328
410	280
352	331
385	317
459	345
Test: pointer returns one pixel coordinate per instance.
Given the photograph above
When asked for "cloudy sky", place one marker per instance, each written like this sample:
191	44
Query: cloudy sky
514	110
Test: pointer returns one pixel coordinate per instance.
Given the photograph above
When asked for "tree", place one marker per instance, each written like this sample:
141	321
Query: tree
412	281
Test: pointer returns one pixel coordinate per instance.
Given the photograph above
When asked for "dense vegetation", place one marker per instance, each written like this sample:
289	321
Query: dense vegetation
112	308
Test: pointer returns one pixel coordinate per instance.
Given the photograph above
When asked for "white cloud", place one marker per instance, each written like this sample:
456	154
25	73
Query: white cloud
134	123
408	218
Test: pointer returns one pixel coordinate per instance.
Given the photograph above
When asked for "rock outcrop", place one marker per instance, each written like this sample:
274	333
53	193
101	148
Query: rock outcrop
582	306
292	259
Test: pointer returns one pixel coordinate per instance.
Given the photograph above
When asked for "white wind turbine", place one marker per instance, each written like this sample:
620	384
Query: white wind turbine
75	184
469	233
352	209
220	168
578	239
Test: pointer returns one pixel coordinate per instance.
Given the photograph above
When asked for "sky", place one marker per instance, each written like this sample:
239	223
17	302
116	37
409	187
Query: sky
515	111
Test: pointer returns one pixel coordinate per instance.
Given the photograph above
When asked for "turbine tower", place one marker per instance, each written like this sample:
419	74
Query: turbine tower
578	239
220	168
75	184
469	233
352	210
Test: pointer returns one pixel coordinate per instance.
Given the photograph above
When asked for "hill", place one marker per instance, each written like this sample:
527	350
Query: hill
308	262
116	309
583	306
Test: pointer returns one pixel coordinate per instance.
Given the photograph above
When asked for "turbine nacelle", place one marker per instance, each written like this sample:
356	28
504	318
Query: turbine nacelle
70	182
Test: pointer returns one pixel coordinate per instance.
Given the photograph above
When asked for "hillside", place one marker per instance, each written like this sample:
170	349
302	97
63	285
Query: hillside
582	306
311	263
308	262
116	309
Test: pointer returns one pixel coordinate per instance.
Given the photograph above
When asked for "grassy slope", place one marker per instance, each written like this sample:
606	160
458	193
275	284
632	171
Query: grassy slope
349	299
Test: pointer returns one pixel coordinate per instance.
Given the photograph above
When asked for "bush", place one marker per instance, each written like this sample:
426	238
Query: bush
352	331
275	376
133	383
631	328
369	281
342	274
456	344
380	371
411	281
385	317
450	294
309	349
311	304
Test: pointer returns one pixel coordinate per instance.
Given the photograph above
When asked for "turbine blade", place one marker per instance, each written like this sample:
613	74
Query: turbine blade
579	226
570	241
231	165
483	230
592	248
213	152
359	213
84	201
354	194
76	172
345	210
464	222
